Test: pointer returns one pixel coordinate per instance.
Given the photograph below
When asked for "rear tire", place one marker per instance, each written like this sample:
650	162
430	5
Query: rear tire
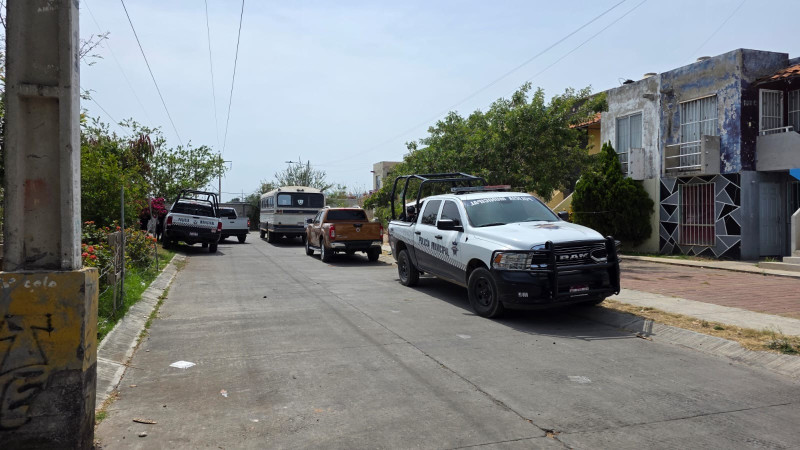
212	248
261	233
166	243
483	294
242	238
409	275
373	255
309	250
204	244
271	237
325	254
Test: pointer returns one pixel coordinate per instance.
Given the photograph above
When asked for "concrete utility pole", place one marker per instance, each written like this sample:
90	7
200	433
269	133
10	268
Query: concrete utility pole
48	307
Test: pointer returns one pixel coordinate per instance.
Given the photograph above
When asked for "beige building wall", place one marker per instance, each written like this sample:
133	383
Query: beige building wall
381	173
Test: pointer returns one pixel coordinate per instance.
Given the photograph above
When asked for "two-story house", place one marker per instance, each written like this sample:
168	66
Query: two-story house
719	136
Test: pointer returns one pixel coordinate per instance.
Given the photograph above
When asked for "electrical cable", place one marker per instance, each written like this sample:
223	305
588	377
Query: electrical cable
233	80
719	27
542	52
211	65
149	69
119	66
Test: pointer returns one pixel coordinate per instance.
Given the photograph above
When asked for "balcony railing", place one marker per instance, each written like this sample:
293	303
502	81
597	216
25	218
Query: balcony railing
694	157
776	130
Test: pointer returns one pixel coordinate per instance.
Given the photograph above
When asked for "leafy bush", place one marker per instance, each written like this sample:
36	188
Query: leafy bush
612	204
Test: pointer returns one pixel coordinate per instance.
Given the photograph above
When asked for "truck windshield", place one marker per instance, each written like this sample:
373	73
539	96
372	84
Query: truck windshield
484	212
301	200
346	214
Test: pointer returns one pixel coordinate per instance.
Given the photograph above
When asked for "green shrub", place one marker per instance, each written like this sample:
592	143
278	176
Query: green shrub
612	204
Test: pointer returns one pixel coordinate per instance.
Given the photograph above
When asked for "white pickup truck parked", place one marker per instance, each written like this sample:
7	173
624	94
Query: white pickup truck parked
233	225
193	218
507	248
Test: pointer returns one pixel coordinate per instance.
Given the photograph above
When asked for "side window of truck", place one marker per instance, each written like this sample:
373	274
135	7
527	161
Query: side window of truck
430	211
450	212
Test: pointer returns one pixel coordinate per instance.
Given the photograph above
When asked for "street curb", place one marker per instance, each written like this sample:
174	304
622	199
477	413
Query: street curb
116	349
711	265
645	328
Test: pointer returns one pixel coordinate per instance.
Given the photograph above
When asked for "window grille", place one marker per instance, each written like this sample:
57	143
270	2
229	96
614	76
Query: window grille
697	214
698	119
794	110
629	135
771	111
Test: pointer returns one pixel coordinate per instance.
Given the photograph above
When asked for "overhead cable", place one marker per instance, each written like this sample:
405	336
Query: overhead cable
149	69
233	80
211	65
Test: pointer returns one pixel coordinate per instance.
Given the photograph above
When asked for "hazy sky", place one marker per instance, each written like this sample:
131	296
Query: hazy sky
344	83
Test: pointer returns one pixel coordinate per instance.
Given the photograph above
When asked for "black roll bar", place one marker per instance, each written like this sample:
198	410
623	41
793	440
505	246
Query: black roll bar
454	178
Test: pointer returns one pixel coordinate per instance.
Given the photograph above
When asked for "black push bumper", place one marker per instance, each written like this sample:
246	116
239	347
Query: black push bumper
553	284
191	235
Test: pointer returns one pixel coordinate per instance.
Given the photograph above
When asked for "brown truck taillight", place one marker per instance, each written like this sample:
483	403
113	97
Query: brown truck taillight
169	220
381	231
332	232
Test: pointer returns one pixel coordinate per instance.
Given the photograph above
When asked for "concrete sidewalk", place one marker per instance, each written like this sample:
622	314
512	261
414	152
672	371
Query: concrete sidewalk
711	309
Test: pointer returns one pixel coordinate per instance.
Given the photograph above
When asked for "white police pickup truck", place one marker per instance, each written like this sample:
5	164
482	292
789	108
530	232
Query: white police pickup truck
194	217
507	248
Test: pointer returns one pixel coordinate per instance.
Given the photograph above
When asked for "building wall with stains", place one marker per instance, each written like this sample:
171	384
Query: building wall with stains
638	97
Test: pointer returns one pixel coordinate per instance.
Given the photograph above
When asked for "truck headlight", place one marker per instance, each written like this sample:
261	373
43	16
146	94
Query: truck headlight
512	261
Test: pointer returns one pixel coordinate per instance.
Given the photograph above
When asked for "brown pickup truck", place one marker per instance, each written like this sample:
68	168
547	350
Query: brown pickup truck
343	230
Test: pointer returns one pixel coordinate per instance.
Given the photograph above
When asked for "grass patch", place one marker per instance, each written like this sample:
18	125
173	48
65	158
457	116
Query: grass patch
136	282
761	340
153	315
99	416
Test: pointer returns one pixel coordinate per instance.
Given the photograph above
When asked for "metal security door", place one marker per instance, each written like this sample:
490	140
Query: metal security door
770	220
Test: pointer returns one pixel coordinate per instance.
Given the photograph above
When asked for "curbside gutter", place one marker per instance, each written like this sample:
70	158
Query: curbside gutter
647	329
116	349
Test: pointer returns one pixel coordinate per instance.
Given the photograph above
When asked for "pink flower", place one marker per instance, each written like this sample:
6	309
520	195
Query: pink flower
84	254
92	256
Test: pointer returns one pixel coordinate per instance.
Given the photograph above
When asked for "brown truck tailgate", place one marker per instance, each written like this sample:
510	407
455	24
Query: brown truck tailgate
357	231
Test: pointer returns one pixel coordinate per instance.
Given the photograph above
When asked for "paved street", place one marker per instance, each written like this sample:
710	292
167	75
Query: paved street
291	352
767	294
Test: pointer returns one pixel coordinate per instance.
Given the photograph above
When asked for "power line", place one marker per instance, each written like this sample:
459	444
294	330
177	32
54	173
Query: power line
211	65
719	27
233	79
119	66
472	95
151	73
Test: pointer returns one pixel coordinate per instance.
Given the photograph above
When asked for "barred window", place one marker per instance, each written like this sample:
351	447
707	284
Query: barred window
697	214
794	110
698	119
771	111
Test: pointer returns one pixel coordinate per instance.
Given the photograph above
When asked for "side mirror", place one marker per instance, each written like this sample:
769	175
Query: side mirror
448	225
309	221
564	215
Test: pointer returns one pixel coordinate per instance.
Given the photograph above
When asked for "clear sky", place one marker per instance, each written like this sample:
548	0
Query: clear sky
345	84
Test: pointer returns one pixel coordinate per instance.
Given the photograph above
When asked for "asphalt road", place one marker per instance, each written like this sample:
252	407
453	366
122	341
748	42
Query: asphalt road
291	352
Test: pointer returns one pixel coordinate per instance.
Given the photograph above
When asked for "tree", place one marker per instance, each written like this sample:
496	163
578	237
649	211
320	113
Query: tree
299	174
524	141
611	203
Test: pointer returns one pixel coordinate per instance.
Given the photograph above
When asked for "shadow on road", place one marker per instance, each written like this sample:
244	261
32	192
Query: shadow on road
195	250
569	322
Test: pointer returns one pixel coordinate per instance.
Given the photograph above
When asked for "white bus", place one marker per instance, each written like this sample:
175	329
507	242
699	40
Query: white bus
284	211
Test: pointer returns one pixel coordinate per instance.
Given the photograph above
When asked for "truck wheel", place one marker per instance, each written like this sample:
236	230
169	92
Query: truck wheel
242	238
373	254
212	248
271	237
483	294
309	250
261	233
166	243
204	244
325	254
409	276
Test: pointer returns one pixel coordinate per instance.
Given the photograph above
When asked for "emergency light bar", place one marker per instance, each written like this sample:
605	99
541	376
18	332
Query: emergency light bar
466	189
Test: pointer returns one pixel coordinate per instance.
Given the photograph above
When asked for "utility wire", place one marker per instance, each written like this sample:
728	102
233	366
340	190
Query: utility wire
233	79
119	66
719	27
151	73
472	95
211	65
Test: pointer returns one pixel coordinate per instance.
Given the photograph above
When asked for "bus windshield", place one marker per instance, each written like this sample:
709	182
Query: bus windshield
301	200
